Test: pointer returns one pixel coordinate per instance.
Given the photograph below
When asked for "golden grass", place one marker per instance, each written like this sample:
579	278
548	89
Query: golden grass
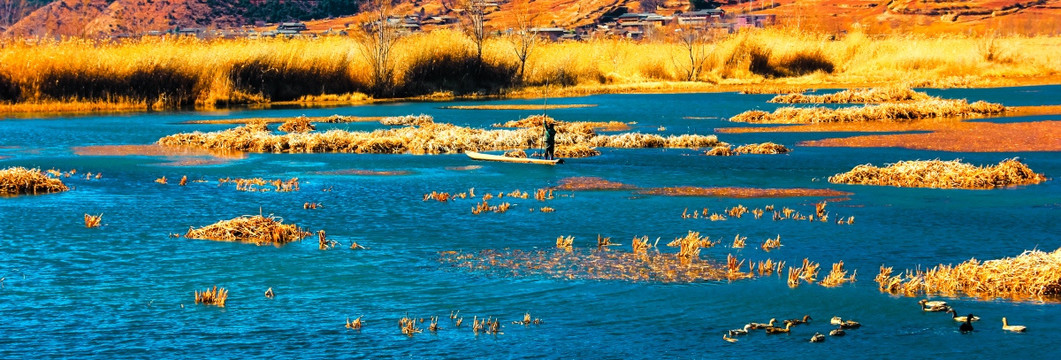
942	175
299	124
767	148
852	96
1033	274
519	107
215	296
312	119
590	183
964	137
423	136
837	276
256	229
771	244
355	324
894	112
536	121
92	221
807	272
183	72
739	241
260	185
23	181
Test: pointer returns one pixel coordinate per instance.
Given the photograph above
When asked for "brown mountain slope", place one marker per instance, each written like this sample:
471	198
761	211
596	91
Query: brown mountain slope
62	17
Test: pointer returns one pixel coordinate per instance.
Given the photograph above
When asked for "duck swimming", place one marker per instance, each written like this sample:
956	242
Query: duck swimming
741	331
838	332
1014	328
967	326
806	319
954	315
818	337
776	330
756	326
933	306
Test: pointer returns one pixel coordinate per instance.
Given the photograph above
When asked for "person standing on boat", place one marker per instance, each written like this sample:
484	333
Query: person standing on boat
550	139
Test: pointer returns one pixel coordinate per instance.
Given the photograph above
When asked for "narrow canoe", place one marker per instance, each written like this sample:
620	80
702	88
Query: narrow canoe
488	157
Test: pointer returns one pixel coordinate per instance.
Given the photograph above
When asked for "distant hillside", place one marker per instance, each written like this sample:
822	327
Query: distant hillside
111	17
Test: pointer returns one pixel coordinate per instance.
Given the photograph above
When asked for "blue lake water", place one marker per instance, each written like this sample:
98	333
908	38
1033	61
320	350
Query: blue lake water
126	290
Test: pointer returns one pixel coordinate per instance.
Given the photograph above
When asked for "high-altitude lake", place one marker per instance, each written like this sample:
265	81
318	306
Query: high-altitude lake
125	290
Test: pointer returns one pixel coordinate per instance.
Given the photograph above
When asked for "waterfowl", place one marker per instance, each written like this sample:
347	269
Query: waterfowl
1014	328
836	320
933	306
777	330
739	332
806	318
967	326
818	337
850	324
954	315
838	332
729	339
756	326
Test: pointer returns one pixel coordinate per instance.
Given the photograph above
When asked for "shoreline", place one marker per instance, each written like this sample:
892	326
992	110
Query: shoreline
663	87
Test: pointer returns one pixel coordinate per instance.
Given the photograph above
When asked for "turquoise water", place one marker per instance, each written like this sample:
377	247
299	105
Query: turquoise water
125	290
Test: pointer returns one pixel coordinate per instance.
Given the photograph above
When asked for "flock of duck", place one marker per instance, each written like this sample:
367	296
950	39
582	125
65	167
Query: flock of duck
966	321
841	325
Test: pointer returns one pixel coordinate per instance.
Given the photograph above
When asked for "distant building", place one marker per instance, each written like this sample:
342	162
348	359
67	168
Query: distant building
701	17
550	33
755	20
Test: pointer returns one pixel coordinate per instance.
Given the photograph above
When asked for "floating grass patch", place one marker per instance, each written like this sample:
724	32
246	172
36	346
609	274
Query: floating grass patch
837	276
854	96
519	107
262	185
93	221
941	175
1034	274
967	137
537	121
772	89
216	296
894	112
740	192
767	148
256	229
421	136
311	119
23	181
299	124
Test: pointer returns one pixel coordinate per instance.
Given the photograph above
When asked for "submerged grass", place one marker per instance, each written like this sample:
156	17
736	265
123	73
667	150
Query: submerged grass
941	175
256	229
23	181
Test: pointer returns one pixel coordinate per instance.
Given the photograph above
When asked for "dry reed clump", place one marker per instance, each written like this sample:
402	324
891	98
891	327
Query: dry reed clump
565	243
93	221
739	241
767	148
407	120
519	107
941	175
771	244
894	112
807	272
256	229
19	181
300	124
408	326
258	184
852	96
215	296
424	137
1032	274
772	89
355	324
837	276
580	127
689	246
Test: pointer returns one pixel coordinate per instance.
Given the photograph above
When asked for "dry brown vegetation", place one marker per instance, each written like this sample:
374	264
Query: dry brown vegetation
259	184
837	276
590	183
961	137
299	124
20	180
853	96
767	148
92	221
518	107
941	175
894	112
215	296
1033	274
256	229
424	136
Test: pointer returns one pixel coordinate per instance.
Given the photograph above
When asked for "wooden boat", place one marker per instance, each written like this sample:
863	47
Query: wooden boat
488	157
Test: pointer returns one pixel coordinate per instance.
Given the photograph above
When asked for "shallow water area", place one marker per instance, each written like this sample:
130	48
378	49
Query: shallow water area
125	290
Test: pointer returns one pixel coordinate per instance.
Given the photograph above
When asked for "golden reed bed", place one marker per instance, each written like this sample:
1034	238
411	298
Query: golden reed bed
316	119
894	112
519	107
1033	274
963	137
23	181
767	148
853	96
942	175
256	229
424	136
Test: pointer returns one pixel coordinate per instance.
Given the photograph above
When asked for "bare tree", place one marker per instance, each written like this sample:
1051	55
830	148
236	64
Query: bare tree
694	39
378	41
474	21
524	40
